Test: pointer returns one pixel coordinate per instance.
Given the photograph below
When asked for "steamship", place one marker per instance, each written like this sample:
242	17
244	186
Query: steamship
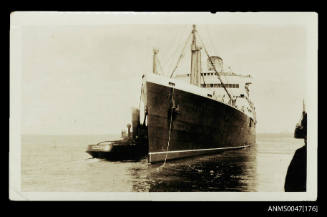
198	112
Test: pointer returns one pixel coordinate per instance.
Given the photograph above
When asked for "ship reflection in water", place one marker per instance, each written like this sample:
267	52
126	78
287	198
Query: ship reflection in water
62	160
227	171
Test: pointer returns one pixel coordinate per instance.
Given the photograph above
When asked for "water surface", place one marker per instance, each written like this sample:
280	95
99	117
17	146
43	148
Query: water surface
60	164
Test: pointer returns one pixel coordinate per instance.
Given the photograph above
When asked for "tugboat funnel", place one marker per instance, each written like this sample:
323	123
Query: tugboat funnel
129	130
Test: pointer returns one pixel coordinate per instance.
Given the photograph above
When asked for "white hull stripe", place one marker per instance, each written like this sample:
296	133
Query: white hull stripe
195	150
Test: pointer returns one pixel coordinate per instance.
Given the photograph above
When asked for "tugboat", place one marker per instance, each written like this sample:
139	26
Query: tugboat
296	177
299	129
133	146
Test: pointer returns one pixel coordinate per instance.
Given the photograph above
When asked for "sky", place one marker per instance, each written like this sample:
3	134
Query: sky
85	79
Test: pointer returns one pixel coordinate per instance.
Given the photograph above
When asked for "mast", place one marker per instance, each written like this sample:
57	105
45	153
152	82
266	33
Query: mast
196	63
195	60
155	52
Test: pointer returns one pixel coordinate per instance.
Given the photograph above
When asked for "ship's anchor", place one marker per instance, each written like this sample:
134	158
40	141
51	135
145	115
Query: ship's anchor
174	108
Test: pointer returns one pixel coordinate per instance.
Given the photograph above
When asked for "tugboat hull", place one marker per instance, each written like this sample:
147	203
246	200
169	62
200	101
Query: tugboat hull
119	150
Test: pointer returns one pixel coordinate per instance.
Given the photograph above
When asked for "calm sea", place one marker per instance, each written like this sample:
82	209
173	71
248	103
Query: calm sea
60	163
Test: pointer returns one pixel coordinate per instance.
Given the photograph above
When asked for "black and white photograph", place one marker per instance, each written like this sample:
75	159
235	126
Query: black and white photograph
163	106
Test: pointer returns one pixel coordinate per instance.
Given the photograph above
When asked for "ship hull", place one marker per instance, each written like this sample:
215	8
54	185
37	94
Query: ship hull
193	124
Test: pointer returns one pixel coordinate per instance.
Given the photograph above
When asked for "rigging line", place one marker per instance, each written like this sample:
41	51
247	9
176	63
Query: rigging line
204	83
201	73
180	48
214	48
172	40
141	96
231	90
162	71
227	80
181	56
210	39
214	67
169	63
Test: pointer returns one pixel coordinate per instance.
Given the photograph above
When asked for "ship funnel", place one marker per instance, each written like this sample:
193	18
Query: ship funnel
129	130
135	121
217	62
